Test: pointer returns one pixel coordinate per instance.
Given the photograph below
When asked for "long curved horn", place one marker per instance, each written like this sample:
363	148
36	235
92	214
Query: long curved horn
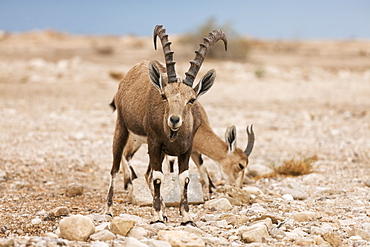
250	145
195	64
168	54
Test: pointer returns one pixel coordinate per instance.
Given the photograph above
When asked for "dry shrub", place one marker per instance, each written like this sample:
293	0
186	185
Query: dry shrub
295	167
104	50
116	75
238	47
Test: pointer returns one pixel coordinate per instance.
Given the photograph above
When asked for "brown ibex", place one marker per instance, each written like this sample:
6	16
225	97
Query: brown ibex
232	159
152	101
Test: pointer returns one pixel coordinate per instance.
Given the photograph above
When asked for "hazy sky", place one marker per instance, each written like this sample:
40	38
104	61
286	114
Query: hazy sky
290	19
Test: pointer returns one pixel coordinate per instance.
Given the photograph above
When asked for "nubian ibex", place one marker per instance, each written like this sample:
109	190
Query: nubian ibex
153	102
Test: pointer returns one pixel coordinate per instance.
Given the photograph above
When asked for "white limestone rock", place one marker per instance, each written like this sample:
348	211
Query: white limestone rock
76	227
220	205
137	232
103	235
181	238
255	233
121	226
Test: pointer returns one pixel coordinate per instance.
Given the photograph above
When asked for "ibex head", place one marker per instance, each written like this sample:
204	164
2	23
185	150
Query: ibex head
234	164
178	94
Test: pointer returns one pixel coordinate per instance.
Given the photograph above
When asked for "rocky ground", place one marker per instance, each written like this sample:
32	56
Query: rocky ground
305	99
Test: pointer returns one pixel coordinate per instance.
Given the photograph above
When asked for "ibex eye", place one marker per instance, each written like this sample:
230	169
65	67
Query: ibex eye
241	166
164	97
191	101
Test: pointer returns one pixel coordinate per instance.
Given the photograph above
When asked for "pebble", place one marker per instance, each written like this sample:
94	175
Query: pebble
193	229
157	243
220	205
238	194
295	190
210	217
258	170
319	240
76	227
326	227
138	220
303	216
137	232
133	242
36	221
6	242
367	182
253	190
277	233
221	223
74	189
181	238
121	226
360	232
366	226
99	244
288	197
103	235
59	211
332	238
215	241
255	233
317	231
50	235
3	176
102	226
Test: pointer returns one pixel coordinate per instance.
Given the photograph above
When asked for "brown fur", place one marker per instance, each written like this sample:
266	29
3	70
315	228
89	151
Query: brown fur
142	111
153	102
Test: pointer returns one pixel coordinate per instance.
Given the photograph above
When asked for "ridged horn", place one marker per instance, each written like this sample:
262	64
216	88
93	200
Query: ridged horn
168	54
195	64
250	145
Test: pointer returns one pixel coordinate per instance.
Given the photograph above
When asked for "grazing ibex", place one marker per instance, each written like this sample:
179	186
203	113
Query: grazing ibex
153	102
232	159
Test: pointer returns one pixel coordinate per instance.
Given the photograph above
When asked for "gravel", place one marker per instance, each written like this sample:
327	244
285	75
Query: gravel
56	129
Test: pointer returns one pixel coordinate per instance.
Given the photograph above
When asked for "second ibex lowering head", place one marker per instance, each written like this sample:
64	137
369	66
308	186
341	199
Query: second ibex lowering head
164	113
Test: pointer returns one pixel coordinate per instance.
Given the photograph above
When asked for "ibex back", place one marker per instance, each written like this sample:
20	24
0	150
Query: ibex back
153	101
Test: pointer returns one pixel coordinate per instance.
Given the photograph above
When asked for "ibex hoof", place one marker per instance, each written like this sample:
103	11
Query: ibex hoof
107	211
189	222
157	221
206	197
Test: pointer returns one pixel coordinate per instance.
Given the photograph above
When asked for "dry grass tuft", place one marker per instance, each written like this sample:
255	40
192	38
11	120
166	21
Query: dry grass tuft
294	167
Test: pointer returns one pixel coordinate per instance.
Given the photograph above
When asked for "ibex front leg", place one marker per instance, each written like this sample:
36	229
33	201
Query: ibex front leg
154	178
184	180
119	142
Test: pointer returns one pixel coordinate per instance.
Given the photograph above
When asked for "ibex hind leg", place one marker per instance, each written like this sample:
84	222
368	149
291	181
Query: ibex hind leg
128	173
132	146
119	142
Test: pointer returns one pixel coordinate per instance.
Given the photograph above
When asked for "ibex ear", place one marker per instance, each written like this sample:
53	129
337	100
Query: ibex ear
155	76
205	83
230	138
